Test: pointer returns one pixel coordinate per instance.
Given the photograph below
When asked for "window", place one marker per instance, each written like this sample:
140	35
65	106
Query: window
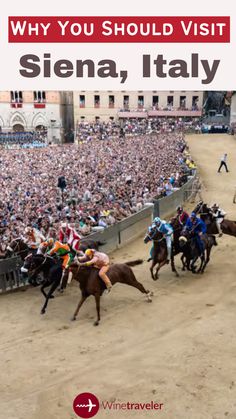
111	118
82	101
111	101
39	96
82	118
195	100
96	101
182	102
155	100
170	101
16	96
140	102
126	102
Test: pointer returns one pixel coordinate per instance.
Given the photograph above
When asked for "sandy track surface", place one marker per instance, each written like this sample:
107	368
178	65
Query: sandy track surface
179	350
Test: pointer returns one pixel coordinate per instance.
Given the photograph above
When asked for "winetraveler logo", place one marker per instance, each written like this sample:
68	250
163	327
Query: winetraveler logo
86	405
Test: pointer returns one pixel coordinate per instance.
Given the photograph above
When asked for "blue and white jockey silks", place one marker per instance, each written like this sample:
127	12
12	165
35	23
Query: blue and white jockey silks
166	229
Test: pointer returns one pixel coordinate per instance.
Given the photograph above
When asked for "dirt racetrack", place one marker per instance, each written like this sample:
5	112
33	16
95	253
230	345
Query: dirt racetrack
179	350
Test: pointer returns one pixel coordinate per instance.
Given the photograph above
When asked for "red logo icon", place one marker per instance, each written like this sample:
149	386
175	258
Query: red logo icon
86	405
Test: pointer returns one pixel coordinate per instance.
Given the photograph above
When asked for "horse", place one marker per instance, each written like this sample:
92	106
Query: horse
227	226
159	253
17	247
52	272
192	252
91	284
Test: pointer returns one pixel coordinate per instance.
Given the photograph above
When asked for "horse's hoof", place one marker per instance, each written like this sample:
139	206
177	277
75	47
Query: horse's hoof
43	311
73	319
52	296
176	274
149	300
96	323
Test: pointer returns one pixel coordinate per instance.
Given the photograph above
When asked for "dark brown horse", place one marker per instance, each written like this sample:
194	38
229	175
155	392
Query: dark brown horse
227	226
191	251
91	284
159	253
17	247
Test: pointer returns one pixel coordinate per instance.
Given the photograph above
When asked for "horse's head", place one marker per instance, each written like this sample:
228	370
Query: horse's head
12	248
153	234
147	238
33	263
175	223
79	272
198	207
16	247
184	238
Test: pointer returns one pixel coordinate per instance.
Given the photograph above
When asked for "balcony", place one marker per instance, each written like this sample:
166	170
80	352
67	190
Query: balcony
39	105
111	105
16	105
82	105
97	105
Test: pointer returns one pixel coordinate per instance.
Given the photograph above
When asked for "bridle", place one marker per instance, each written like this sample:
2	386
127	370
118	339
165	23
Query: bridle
38	268
15	251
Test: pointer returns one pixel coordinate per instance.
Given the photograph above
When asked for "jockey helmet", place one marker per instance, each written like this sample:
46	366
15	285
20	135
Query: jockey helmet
157	221
193	215
89	252
179	209
28	230
50	241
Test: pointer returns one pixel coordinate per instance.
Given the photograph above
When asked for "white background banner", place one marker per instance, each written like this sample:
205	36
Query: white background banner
128	56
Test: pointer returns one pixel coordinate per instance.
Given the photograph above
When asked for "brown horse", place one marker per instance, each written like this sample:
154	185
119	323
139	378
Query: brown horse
159	254
91	284
227	226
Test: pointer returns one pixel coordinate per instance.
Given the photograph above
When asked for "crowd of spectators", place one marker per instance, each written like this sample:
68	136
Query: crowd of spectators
106	181
97	130
23	139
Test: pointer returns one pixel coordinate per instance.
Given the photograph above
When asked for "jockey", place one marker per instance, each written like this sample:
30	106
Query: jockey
45	246
182	215
68	235
218	215
166	229
64	252
98	260
197	226
33	238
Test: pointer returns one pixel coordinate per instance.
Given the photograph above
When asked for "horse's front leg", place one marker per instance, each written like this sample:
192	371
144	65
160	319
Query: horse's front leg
192	267
158	268
97	299
81	302
152	268
183	262
202	263
49	295
173	266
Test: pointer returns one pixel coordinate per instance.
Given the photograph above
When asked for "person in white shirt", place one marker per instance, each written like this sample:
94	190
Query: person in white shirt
223	163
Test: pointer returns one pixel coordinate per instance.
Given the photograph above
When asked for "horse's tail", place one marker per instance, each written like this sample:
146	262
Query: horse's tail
134	262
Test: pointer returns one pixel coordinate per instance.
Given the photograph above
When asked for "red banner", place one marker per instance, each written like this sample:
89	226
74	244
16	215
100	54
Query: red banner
84	29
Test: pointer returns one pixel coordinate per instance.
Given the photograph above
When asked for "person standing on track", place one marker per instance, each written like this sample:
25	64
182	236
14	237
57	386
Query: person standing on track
223	163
